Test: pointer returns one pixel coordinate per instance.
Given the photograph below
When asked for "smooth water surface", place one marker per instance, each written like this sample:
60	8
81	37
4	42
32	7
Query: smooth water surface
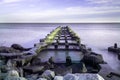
97	36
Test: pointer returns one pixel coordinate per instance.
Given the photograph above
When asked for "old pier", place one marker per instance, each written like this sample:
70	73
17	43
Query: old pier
28	63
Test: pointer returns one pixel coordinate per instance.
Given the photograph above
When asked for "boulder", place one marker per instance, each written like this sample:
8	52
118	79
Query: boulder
58	78
68	61
48	74
41	79
70	77
32	76
93	59
4	49
86	76
36	61
84	69
19	47
89	76
13	75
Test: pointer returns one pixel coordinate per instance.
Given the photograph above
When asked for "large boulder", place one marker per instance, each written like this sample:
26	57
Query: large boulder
41	79
4	49
86	76
58	78
89	76
93	59
19	47
68	61
48	74
13	75
71	77
36	61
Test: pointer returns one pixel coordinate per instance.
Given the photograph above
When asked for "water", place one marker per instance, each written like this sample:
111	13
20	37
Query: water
96	36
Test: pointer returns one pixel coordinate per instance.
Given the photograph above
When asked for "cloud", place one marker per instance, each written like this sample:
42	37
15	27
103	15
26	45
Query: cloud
105	2
70	14
76	13
9	1
100	1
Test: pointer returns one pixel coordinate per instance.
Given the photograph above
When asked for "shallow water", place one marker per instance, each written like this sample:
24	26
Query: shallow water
96	36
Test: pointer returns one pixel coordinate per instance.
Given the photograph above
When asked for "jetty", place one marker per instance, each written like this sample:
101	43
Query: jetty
29	64
115	49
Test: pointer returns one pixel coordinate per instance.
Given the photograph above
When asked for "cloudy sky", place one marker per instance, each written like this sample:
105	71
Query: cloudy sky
59	11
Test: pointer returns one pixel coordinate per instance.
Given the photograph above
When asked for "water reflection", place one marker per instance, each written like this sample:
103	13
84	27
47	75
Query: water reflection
60	56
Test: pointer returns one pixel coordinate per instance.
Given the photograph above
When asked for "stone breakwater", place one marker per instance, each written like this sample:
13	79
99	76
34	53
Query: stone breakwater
26	62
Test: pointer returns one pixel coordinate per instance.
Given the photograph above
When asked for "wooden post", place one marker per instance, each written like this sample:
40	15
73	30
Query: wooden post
115	45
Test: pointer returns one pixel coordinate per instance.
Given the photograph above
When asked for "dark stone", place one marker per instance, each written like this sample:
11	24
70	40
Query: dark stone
119	56
93	59
51	61
68	61
115	45
112	49
4	49
41	40
19	47
56	45
66	45
36	61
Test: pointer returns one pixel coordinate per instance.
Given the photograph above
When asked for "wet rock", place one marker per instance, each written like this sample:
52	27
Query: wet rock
112	49
13	75
58	78
115	45
68	61
84	69
41	79
119	56
4	49
89	76
93	59
70	77
32	77
19	47
36	61
48	74
50	63
51	60
86	76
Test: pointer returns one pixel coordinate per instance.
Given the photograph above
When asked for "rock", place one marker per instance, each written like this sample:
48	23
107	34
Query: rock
15	78
51	60
119	56
48	74
19	47
70	77
93	59
58	78
36	61
86	76
115	45
68	61
41	79
84	69
4	49
32	76
112	49
13	75
89	76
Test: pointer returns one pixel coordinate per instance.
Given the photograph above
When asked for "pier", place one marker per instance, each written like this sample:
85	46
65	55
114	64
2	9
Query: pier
76	57
62	39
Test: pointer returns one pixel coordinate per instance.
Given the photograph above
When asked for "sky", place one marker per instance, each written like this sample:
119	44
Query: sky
59	11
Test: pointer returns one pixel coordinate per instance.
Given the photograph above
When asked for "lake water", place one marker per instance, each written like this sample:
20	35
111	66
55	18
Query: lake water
97	36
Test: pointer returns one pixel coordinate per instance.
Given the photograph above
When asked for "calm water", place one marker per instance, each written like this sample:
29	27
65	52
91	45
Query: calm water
96	36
